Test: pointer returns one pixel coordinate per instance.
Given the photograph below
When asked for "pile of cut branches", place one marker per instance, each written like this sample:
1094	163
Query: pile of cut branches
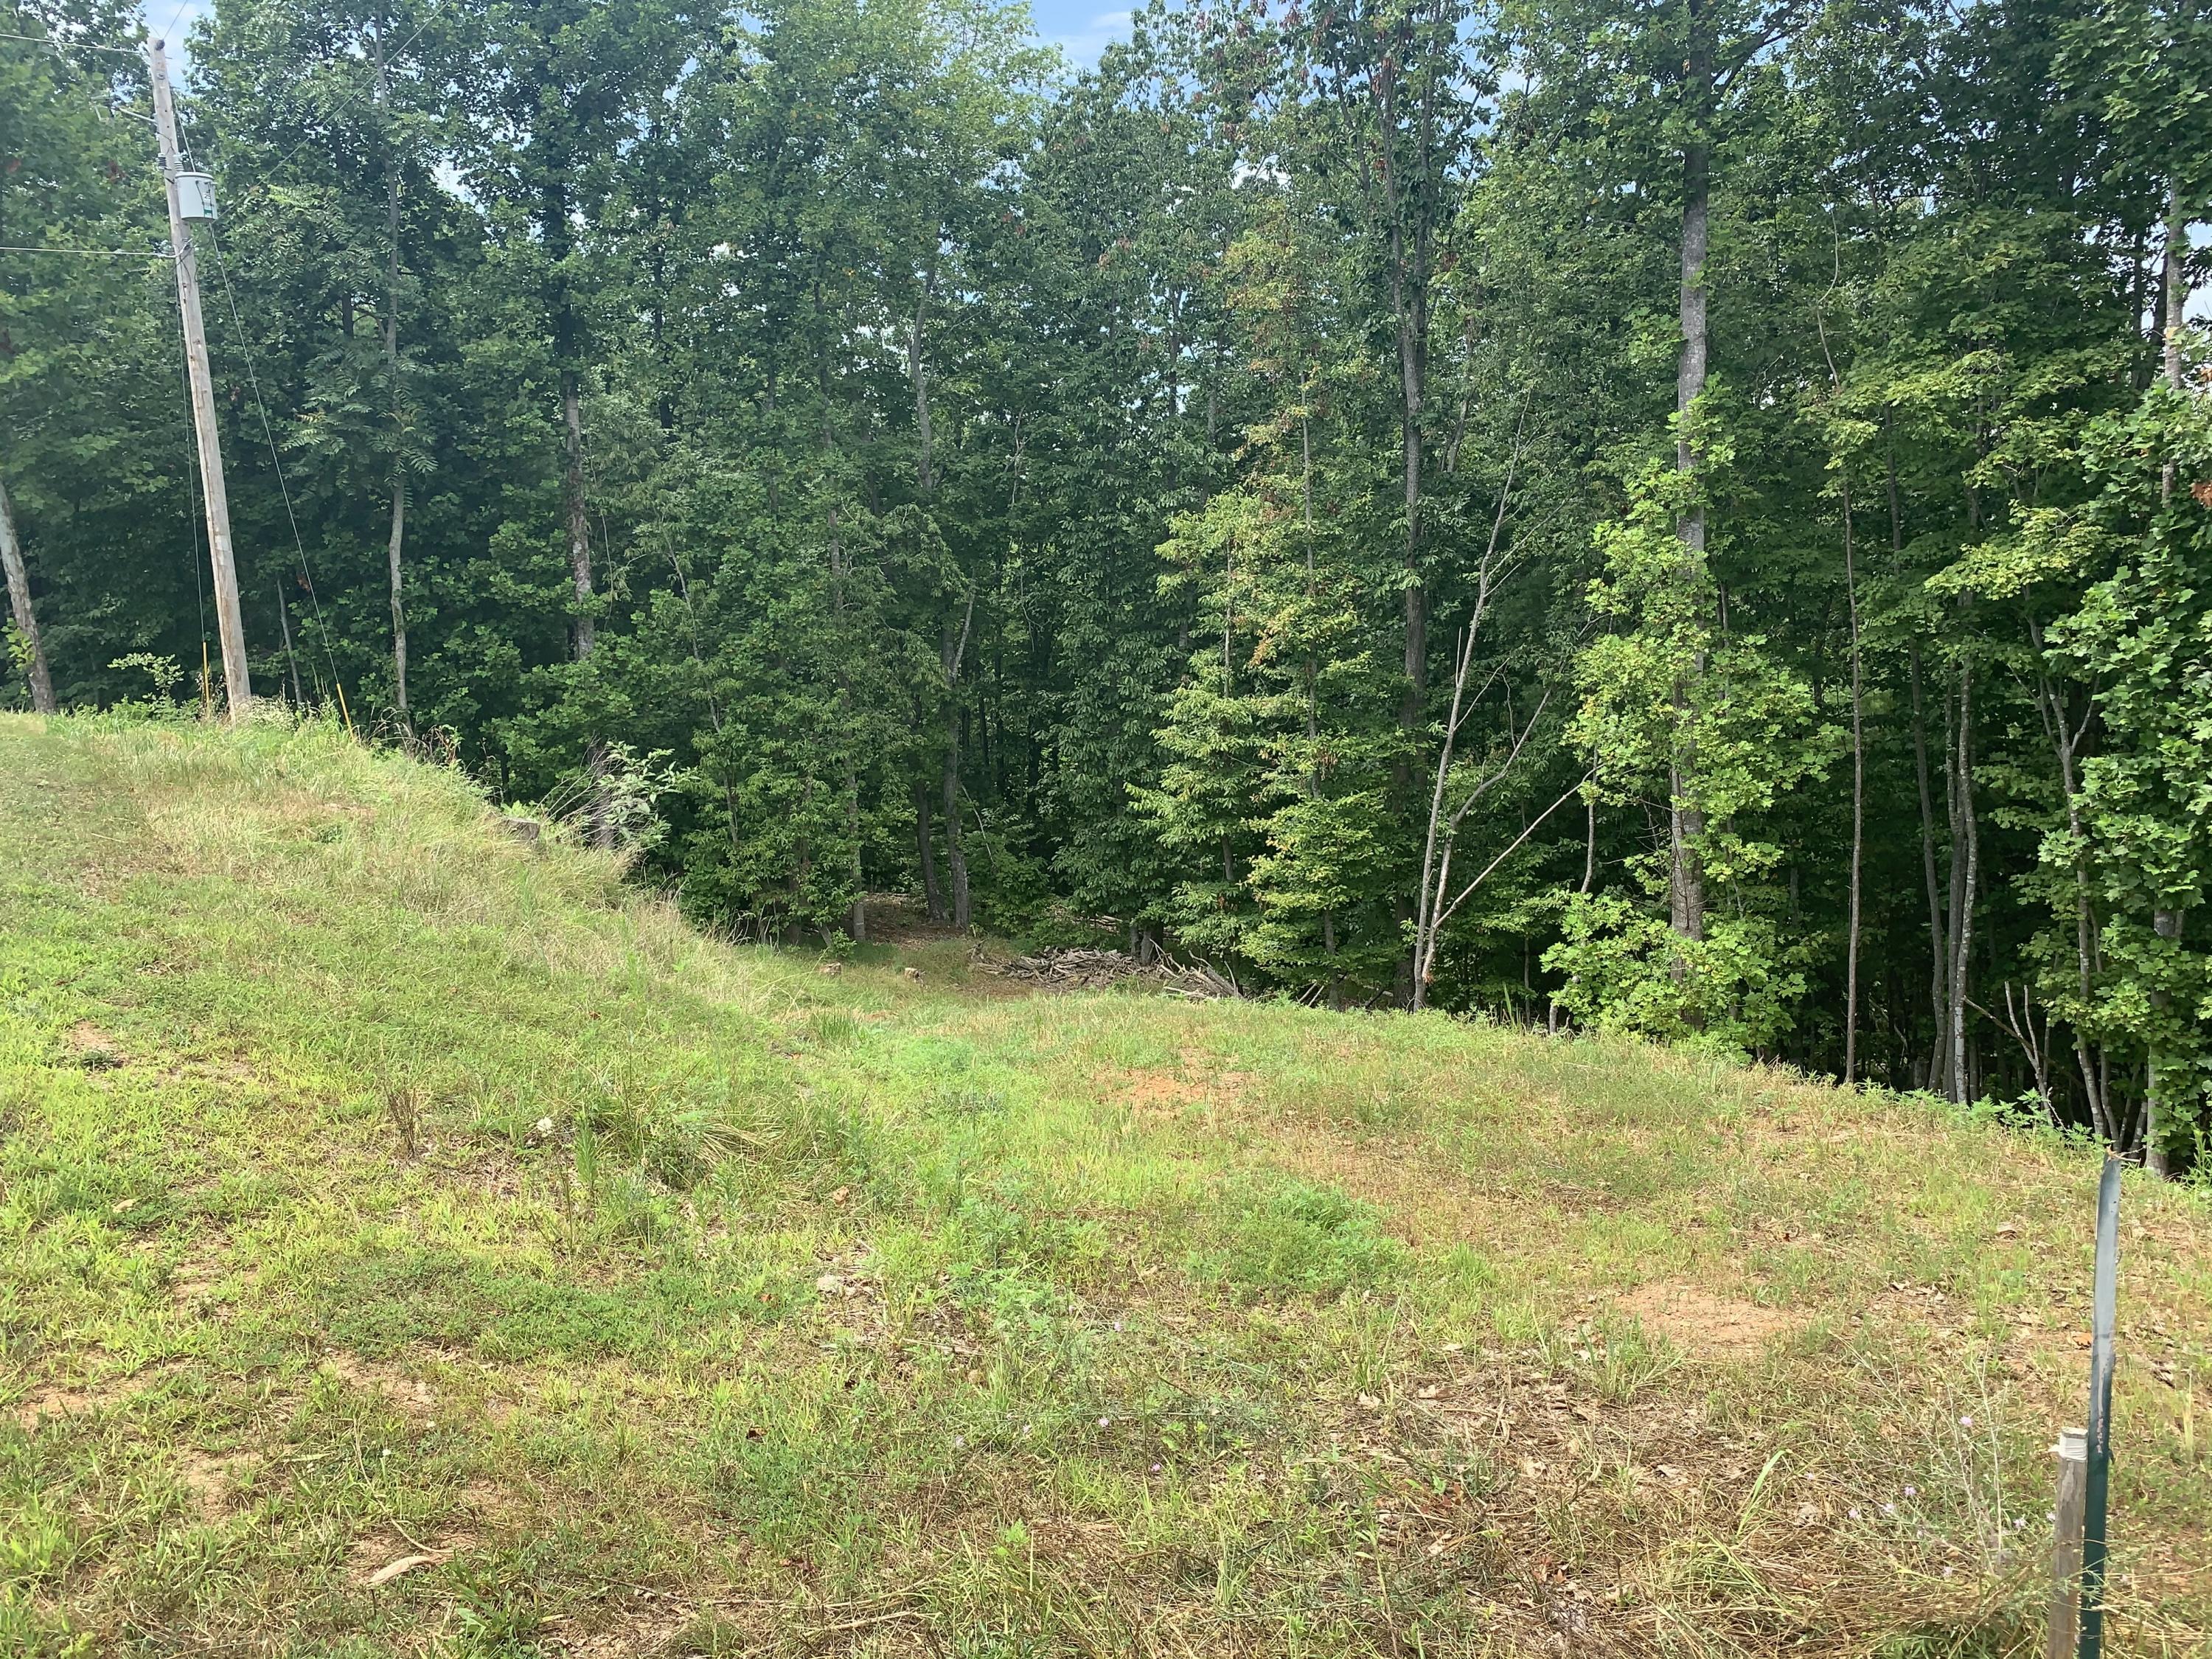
1085	968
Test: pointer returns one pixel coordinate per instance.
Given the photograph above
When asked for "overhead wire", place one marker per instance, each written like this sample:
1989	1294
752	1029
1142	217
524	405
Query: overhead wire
175	18
253	378
78	45
91	252
269	436
339	108
276	459
343	105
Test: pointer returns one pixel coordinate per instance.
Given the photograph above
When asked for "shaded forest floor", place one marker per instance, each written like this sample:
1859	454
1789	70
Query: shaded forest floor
411	1242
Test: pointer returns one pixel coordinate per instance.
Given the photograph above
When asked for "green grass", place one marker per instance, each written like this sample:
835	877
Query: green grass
373	1186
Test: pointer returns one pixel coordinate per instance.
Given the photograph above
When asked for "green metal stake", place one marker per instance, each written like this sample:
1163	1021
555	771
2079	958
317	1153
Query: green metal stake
2100	1410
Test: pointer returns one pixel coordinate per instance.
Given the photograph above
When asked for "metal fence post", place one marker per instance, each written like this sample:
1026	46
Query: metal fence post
2097	1484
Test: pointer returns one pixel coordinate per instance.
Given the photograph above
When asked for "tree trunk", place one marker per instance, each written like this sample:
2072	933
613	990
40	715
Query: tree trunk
1966	853
1858	802
582	634
932	892
1313	687
1939	941
393	566
1410	215
577	513
2064	741
917	366
291	659
856	920
394	550
2176	294
19	603
955	858
1687	821
2167	924
557	236
856	913
2065	745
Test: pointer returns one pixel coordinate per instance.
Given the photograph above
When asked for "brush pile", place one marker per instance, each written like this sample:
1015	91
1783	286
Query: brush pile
1089	969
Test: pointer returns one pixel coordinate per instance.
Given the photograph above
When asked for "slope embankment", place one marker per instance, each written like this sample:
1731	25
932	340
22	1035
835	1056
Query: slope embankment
415	1241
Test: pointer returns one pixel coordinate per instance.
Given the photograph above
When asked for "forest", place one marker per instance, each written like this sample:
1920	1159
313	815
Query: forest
1683	516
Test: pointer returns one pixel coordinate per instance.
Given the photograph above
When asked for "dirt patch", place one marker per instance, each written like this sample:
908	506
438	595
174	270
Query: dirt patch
385	1556
1523	1443
388	1554
194	1276
60	1401
1427	1205
55	1402
93	1049
208	1478
650	1626
411	1396
1155	1091
491	1505
1196	1082
1699	1322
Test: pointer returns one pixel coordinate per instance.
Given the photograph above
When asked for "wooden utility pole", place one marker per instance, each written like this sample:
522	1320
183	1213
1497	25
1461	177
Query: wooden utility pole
230	618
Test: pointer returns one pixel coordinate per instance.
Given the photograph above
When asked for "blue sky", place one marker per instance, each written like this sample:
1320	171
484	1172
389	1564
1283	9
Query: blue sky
1081	28
169	21
1078	28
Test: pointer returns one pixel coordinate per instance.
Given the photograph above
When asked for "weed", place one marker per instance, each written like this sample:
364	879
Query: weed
403	1106
1302	1239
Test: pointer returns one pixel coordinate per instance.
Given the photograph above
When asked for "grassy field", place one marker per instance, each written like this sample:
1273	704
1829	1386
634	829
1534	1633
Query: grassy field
413	1242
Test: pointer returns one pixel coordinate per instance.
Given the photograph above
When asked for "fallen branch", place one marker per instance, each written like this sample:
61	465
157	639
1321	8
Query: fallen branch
1095	969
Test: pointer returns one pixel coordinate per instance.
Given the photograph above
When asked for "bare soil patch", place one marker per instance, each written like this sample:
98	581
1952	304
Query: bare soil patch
94	1049
208	1478
61	1401
1699	1322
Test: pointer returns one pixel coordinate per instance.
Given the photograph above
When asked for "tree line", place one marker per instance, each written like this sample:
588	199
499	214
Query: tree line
1686	516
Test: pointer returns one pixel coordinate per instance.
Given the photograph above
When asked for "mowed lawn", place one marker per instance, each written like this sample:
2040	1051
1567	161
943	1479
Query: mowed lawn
415	1243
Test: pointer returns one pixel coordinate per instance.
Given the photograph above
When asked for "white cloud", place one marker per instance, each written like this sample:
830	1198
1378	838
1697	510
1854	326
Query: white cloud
1084	44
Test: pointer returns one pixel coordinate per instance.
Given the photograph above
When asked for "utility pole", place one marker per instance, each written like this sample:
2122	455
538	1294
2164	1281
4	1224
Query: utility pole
229	617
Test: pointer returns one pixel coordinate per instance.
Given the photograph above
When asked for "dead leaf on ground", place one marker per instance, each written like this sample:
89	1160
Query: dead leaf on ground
405	1564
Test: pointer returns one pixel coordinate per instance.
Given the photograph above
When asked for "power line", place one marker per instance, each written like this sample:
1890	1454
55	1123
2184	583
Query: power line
263	184
78	45
175	18
269	434
343	104
94	252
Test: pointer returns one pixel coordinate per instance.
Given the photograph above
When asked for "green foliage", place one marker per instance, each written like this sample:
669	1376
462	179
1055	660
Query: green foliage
1676	713
163	672
2143	639
1625	969
1669	702
1085	484
1276	754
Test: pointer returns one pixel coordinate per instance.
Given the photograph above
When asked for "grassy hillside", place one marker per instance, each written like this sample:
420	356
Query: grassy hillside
377	1190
